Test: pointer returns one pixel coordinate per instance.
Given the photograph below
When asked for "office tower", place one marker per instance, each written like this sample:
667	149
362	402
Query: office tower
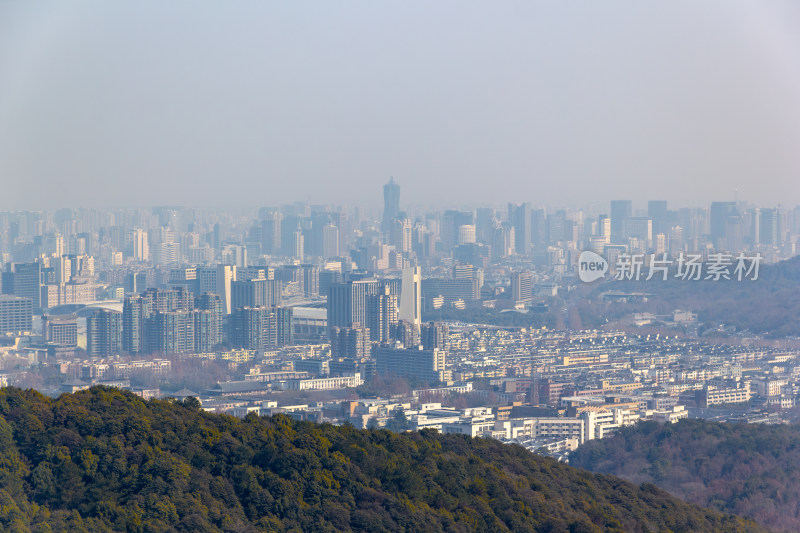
538	229
213	304
451	221
769	227
522	287
411	296
26	282
104	333
16	314
330	241
675	241
720	211
734	233
435	335
218	236
60	330
289	226
424	365
135	311
484	222
519	217
391	204
620	210
348	302
141	246
556	227
271	233
658	213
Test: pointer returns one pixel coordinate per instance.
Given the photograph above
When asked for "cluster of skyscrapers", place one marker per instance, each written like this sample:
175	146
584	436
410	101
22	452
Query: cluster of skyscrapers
174	280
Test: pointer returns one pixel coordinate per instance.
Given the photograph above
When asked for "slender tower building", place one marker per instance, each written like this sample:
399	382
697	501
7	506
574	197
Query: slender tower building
391	205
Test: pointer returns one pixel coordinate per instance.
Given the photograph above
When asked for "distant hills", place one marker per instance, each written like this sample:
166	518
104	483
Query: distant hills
751	470
104	460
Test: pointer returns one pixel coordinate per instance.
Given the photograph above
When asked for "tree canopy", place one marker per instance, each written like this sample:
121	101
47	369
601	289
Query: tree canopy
105	460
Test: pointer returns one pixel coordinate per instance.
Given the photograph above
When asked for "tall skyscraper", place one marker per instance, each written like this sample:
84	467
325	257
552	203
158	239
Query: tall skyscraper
27	282
519	217
411	296
657	211
768	227
391	204
271	233
620	210
225	275
720	211
141	247
348	302
538	228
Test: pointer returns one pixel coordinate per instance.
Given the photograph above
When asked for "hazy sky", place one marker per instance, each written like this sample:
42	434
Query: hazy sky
258	103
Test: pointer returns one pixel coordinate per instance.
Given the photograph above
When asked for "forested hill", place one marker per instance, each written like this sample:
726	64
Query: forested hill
749	469
104	460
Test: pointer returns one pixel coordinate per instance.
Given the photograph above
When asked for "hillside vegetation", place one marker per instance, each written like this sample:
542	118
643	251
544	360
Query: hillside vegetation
751	470
104	460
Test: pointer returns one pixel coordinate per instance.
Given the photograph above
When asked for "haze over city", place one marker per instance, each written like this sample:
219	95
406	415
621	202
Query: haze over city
115	104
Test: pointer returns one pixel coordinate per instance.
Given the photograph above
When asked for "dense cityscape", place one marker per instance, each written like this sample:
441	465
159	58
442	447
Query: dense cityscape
399	267
464	321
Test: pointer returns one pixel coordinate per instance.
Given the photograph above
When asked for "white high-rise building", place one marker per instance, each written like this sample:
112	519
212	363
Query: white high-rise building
225	274
411	296
141	247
